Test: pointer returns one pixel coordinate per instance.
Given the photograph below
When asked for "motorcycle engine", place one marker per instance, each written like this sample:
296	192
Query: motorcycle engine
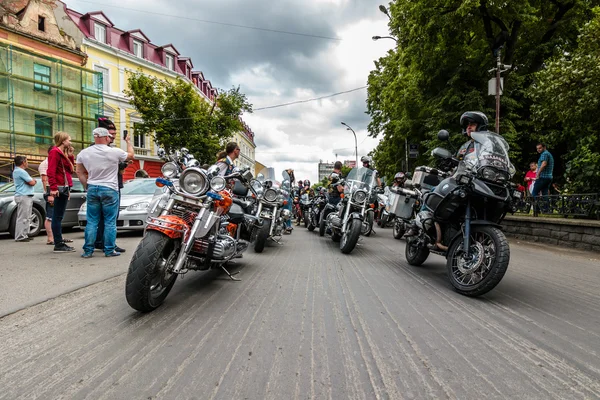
224	247
334	220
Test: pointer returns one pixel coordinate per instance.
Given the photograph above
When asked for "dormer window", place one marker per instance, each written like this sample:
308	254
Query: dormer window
41	23
138	49
170	62
100	32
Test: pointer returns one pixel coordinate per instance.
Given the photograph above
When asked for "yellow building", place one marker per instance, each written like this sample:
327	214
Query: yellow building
113	53
245	140
43	86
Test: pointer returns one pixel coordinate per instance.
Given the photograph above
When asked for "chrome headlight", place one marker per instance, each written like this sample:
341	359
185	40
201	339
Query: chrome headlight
193	181
359	196
217	184
138	206
270	195
169	170
493	175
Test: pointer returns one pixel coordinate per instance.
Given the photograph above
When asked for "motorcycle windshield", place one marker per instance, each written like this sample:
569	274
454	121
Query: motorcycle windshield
359	178
491	150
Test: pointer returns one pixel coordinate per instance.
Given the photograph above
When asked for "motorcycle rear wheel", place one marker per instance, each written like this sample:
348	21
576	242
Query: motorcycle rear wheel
148	280
350	237
399	229
491	258
415	255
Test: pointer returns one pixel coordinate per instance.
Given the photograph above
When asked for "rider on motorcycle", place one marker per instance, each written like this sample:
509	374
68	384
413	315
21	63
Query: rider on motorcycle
399	180
366	162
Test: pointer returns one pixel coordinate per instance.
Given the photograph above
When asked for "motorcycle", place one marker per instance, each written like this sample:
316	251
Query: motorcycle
305	205
460	218
316	207
351	215
195	225
270	199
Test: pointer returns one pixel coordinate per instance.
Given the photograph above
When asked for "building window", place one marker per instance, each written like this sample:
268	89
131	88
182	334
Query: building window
103	78
43	127
100	32
139	139
138	49
41	73
169	62
41	23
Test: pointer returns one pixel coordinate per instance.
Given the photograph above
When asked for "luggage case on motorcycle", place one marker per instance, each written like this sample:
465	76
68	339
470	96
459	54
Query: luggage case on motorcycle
402	206
427	178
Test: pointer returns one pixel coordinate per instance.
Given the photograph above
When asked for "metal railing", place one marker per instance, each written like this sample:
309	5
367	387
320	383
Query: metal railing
585	205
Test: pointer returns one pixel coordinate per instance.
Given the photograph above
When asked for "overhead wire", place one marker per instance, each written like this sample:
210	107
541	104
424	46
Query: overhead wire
215	22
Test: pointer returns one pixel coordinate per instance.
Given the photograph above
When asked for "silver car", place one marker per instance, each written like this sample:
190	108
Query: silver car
8	208
136	197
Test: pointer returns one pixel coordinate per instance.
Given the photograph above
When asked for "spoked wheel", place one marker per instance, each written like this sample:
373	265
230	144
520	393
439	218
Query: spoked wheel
149	279
484	267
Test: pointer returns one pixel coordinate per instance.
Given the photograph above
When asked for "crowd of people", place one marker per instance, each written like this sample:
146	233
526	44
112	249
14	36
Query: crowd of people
99	168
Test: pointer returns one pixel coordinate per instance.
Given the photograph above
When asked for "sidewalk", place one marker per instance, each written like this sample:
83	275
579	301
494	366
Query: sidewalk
31	273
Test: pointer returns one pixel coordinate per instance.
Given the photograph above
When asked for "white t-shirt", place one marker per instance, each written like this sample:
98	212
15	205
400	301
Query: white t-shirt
102	164
43	167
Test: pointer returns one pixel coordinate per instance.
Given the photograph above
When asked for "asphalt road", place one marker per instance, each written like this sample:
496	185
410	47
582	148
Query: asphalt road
307	322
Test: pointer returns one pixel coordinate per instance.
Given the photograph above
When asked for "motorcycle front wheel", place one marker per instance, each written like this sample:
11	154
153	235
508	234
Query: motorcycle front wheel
485	267
350	237
399	229
148	279
262	236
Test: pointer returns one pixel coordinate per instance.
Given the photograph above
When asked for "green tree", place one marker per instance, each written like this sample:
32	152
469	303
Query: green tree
345	170
176	115
566	99
439	69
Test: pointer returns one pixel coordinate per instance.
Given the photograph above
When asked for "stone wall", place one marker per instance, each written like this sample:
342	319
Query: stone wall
580	234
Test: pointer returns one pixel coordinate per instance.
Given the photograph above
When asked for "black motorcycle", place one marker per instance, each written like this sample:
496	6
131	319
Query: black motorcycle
318	205
460	218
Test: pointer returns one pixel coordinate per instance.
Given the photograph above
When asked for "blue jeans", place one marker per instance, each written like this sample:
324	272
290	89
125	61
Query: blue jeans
100	233
541	187
102	202
288	206
60	206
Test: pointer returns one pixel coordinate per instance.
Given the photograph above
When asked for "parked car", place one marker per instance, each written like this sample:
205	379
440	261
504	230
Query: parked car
136	197
8	208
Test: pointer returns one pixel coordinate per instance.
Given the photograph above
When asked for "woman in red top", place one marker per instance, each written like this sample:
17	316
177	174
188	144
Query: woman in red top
60	168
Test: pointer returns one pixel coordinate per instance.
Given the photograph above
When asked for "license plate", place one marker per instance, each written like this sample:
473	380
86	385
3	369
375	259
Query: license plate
517	194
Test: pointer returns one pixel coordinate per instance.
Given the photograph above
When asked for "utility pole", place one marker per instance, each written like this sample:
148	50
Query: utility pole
498	63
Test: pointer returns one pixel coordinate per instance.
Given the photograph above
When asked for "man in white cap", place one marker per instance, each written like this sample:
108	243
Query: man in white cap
97	168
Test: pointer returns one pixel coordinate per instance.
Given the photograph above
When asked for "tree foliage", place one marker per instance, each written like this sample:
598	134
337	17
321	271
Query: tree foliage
176	115
439	69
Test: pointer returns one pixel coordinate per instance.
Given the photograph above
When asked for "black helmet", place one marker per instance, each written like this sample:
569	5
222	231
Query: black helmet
306	182
474	116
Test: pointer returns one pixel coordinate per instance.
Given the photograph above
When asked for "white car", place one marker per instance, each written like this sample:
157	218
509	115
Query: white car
136	197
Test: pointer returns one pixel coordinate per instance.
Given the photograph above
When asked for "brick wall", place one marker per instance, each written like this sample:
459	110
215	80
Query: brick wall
580	234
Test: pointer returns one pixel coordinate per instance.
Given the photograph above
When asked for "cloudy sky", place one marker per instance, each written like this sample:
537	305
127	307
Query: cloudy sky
274	68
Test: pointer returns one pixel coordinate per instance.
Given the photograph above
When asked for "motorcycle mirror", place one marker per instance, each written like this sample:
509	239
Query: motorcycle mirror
260	177
439	152
443	135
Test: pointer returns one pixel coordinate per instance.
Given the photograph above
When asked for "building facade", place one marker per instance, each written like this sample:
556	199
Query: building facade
44	87
245	139
325	169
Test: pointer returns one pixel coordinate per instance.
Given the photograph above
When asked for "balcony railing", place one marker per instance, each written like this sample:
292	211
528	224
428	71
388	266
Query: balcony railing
141	152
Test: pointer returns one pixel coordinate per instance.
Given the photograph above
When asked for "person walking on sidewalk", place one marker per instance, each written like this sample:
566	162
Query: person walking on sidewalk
60	181
97	168
23	197
43	170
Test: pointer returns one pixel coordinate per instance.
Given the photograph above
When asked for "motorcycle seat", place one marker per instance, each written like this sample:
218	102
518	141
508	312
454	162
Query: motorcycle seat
241	203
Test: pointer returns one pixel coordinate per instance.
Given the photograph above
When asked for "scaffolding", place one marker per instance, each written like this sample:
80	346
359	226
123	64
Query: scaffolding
40	96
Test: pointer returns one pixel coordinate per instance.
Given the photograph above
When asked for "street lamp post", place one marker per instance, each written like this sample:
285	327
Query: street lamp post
355	141
375	38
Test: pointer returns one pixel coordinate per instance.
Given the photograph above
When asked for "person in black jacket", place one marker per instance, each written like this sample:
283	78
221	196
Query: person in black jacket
110	126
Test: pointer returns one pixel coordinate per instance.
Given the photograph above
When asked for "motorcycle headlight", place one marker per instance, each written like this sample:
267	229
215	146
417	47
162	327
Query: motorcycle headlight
193	181
270	195
139	206
169	170
359	196
217	184
489	174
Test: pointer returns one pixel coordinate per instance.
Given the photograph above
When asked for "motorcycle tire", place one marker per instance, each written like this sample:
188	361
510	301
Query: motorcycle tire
262	236
415	255
487	240
306	221
369	221
148	282
350	237
311	227
323	225
399	229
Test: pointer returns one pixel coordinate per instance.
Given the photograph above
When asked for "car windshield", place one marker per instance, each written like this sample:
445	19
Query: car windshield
359	178
10	188
139	187
490	150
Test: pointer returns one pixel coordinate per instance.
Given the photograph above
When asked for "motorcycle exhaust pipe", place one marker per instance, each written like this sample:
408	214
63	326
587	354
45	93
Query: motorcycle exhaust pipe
438	242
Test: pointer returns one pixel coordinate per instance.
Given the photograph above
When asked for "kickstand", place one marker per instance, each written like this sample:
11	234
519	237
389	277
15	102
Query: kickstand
276	240
231	276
